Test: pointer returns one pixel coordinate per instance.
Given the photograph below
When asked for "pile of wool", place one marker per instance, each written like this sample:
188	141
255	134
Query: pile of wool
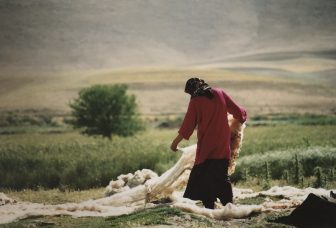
237	130
126	181
134	199
5	200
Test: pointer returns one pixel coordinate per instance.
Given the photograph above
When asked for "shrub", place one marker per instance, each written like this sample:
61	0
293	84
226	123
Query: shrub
278	161
106	110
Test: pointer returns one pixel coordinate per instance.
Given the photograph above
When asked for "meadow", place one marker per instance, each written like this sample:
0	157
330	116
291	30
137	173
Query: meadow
42	165
289	138
68	160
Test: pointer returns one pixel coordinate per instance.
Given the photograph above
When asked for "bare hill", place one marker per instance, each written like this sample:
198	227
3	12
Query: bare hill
47	35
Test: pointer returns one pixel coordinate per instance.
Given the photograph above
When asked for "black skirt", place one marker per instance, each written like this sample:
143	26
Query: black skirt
210	180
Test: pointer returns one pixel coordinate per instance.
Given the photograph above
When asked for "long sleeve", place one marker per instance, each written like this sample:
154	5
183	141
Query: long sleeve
189	123
237	111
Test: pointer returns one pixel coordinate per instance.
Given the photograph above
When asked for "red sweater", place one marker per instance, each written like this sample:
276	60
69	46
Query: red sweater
210	117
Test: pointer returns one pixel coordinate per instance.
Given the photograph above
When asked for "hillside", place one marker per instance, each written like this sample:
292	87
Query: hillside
279	51
53	35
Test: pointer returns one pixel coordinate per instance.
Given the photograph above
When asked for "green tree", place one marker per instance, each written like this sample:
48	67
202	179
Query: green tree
106	110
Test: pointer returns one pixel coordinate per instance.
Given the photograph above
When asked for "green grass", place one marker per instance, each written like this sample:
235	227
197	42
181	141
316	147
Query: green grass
153	216
284	160
162	215
74	161
55	196
262	139
69	160
301	119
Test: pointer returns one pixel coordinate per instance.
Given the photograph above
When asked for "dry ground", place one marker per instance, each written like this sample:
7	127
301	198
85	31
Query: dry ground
259	86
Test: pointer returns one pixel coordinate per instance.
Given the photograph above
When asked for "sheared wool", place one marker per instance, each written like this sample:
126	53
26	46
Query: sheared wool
292	197
5	200
126	181
237	130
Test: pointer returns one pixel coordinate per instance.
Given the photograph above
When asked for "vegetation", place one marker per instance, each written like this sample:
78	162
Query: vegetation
106	110
43	160
71	161
301	119
283	163
77	162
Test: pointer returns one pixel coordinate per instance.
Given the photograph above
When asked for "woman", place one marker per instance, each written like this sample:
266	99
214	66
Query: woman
208	108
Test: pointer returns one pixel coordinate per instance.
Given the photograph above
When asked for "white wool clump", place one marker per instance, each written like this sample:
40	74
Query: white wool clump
229	211
125	177
126	181
237	135
140	177
5	199
280	205
243	193
289	192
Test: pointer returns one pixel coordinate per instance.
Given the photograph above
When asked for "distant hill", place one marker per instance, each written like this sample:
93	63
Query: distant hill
49	35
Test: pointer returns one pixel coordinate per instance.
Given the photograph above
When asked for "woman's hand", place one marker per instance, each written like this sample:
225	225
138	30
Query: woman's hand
175	142
173	146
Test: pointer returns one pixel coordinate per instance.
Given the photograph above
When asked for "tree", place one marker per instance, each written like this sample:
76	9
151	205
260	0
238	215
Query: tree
106	110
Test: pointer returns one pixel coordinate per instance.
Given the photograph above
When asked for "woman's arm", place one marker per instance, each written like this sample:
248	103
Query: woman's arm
175	142
187	127
237	111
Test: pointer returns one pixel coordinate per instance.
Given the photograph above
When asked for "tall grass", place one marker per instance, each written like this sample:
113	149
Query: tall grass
280	162
77	162
70	160
262	139
301	119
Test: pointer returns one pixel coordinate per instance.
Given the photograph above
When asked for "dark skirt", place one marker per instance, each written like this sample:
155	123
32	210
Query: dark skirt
209	181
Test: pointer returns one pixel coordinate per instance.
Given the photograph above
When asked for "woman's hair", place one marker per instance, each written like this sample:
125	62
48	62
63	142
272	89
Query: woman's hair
197	87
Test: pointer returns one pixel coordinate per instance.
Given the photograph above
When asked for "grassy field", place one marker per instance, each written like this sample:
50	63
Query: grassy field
291	119
68	160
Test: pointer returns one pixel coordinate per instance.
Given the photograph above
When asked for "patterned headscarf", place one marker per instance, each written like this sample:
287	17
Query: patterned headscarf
197	87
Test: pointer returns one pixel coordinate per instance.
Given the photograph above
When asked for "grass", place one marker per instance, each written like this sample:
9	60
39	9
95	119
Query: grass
153	216
262	139
57	164
284	160
72	161
55	196
293	118
75	147
44	162
162	215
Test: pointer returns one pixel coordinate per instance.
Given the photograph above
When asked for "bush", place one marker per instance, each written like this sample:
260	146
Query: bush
278	161
106	110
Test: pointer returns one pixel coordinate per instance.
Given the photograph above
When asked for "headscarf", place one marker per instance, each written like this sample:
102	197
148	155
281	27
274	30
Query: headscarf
197	87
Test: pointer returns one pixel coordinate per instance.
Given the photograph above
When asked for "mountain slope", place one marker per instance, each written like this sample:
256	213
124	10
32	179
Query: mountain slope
60	34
